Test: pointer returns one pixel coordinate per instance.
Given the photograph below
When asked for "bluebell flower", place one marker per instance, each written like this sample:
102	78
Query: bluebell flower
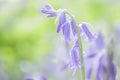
88	73
75	58
86	31
61	21
49	11
106	70
96	46
66	30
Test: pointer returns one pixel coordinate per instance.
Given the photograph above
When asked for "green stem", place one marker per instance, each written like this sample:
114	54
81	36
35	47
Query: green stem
80	52
80	47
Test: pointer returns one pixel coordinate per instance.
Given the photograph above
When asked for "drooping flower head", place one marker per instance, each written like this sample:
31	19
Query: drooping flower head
86	31
65	25
66	30
49	11
75	58
61	20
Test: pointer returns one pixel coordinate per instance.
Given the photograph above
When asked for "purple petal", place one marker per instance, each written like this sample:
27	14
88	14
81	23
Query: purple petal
113	72
49	11
87	31
103	70
66	31
44	11
88	73
62	20
99	69
75	60
48	6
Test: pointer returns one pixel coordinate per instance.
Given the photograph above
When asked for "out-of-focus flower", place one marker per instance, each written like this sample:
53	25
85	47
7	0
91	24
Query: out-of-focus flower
97	45
49	11
106	71
33	78
28	78
99	41
43	78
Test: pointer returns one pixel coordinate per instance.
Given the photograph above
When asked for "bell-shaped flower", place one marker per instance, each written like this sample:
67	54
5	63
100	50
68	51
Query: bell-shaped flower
86	31
61	21
49	11
66	30
75	58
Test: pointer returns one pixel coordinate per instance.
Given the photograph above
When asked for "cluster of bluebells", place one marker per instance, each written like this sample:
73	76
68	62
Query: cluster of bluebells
96	52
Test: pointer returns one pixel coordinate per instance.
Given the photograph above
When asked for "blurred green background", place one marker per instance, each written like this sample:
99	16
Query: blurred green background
27	35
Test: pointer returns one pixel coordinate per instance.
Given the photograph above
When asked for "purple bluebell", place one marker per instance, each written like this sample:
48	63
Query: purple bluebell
75	59
66	30
101	70
92	53
113	72
86	31
49	11
62	21
88	73
106	71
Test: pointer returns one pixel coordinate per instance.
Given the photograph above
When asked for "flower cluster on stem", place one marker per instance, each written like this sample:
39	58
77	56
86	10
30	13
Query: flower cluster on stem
72	32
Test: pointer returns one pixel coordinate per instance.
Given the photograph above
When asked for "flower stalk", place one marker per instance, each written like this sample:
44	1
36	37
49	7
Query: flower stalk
80	51
80	47
71	31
